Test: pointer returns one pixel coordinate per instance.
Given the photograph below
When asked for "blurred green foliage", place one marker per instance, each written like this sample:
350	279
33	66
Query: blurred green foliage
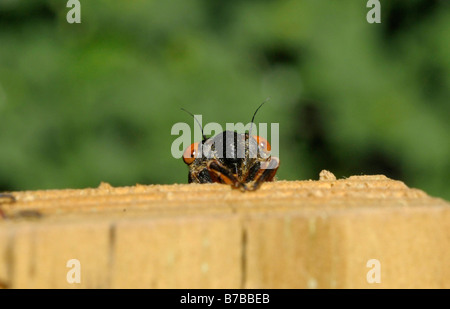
91	102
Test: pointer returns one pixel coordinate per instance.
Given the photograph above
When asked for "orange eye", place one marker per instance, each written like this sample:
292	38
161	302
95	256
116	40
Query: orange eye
262	142
190	153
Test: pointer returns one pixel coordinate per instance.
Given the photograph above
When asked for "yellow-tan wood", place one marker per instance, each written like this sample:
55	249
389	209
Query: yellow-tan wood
288	234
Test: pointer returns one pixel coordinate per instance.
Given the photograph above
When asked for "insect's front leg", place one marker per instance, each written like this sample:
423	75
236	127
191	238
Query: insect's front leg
224	175
199	176
266	172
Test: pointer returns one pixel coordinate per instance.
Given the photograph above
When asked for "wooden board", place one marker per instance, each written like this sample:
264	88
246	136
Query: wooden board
288	234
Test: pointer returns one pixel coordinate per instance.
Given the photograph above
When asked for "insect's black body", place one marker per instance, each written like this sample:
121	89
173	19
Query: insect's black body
238	159
233	158
224	148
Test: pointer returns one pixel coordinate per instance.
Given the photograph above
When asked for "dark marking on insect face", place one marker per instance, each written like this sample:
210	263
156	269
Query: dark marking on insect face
237	159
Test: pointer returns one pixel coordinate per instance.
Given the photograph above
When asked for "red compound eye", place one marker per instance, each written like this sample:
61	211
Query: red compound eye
190	153
262	142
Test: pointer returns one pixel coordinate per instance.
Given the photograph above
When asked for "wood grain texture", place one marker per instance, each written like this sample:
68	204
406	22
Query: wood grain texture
288	234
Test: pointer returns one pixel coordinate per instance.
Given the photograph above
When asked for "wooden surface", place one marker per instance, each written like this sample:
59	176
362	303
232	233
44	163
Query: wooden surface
288	234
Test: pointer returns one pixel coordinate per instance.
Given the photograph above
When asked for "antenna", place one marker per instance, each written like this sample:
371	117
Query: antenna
203	135
253	118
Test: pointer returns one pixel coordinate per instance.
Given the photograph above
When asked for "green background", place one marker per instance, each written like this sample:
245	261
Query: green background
91	102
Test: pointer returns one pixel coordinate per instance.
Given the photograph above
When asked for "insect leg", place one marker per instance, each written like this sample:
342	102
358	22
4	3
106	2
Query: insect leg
265	173
217	170
200	177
